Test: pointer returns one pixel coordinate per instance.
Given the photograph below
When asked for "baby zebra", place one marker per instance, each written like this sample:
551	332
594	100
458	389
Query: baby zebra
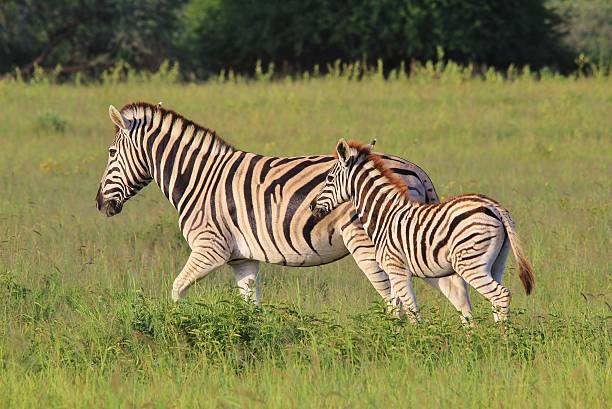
469	234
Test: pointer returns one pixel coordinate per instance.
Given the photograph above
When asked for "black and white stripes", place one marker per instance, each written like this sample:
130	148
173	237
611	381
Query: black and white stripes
469	235
240	208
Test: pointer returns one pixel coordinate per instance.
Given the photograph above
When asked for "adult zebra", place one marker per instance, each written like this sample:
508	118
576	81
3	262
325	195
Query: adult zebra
240	208
468	235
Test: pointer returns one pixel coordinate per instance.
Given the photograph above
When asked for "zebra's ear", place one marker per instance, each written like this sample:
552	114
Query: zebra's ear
117	118
344	151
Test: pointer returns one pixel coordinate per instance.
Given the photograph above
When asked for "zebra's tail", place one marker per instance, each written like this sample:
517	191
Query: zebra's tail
525	269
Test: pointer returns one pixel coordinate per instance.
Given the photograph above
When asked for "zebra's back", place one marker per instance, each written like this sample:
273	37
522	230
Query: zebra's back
435	236
262	205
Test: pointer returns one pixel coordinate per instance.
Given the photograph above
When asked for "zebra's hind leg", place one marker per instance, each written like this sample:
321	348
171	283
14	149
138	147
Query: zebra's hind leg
497	272
201	262
456	290
479	277
246	273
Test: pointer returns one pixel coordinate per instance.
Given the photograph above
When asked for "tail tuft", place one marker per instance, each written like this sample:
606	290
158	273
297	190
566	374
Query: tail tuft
525	270
526	275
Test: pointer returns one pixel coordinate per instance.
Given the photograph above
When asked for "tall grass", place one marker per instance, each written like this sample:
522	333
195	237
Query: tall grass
87	318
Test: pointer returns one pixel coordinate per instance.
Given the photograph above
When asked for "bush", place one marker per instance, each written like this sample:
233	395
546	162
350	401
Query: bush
206	36
296	35
52	121
86	35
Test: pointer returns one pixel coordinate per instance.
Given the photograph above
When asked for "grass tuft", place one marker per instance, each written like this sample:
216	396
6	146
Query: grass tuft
50	120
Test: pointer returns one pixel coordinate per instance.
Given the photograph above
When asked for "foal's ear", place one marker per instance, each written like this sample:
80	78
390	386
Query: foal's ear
118	119
344	151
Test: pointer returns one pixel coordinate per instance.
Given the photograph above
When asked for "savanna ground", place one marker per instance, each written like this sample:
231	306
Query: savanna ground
86	317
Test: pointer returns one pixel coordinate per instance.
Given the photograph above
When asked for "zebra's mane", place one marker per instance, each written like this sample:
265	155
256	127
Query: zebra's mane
139	110
379	164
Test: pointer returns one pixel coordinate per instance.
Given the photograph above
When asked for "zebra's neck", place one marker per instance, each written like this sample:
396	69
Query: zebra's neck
376	199
178	152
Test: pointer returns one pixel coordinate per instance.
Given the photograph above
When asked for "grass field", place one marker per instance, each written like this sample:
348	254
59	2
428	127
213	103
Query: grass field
86	318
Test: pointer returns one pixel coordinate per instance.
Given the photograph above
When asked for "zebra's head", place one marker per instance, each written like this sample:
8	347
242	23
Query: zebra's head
337	188
126	171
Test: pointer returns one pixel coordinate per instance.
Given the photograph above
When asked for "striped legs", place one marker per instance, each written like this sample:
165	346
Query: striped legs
246	273
362	249
359	244
481	280
497	271
401	281
201	262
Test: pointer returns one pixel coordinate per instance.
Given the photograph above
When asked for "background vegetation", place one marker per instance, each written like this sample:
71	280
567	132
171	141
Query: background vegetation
86	314
588	27
206	36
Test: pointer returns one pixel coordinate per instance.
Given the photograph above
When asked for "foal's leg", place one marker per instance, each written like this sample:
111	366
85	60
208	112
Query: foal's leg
362	249
401	283
480	279
474	260
497	271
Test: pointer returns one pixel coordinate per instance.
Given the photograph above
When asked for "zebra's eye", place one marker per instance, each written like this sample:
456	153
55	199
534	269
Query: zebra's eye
330	178
112	152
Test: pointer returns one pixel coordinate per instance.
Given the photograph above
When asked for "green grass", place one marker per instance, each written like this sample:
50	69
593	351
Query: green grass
87	321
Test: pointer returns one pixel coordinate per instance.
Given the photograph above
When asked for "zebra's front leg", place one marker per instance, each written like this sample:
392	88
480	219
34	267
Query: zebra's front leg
362	249
202	261
456	290
401	281
246	273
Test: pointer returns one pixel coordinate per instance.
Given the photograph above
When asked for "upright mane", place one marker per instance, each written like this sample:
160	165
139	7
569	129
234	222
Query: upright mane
139	110
378	162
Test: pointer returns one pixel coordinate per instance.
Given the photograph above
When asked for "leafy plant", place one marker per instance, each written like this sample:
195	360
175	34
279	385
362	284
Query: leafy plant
51	120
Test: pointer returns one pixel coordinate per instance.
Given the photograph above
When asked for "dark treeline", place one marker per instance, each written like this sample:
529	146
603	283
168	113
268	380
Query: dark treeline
205	36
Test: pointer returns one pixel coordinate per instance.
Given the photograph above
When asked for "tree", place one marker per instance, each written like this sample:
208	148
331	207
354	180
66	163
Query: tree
297	34
86	35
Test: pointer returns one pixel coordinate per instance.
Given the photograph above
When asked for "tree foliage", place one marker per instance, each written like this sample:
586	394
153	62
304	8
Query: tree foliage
86	35
206	36
297	34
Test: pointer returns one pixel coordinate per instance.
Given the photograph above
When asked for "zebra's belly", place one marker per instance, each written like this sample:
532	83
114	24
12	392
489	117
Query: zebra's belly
427	272
324	245
305	257
323	256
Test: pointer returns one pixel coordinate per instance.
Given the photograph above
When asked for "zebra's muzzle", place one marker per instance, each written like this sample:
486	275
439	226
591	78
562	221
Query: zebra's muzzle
318	212
109	207
112	207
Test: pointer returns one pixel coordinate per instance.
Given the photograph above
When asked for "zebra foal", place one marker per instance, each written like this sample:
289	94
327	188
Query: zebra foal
469	235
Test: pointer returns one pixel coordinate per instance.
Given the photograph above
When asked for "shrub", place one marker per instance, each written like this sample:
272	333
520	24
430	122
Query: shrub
86	35
298	34
51	120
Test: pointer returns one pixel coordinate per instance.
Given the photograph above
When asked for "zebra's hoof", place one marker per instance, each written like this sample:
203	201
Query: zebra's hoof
177	294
